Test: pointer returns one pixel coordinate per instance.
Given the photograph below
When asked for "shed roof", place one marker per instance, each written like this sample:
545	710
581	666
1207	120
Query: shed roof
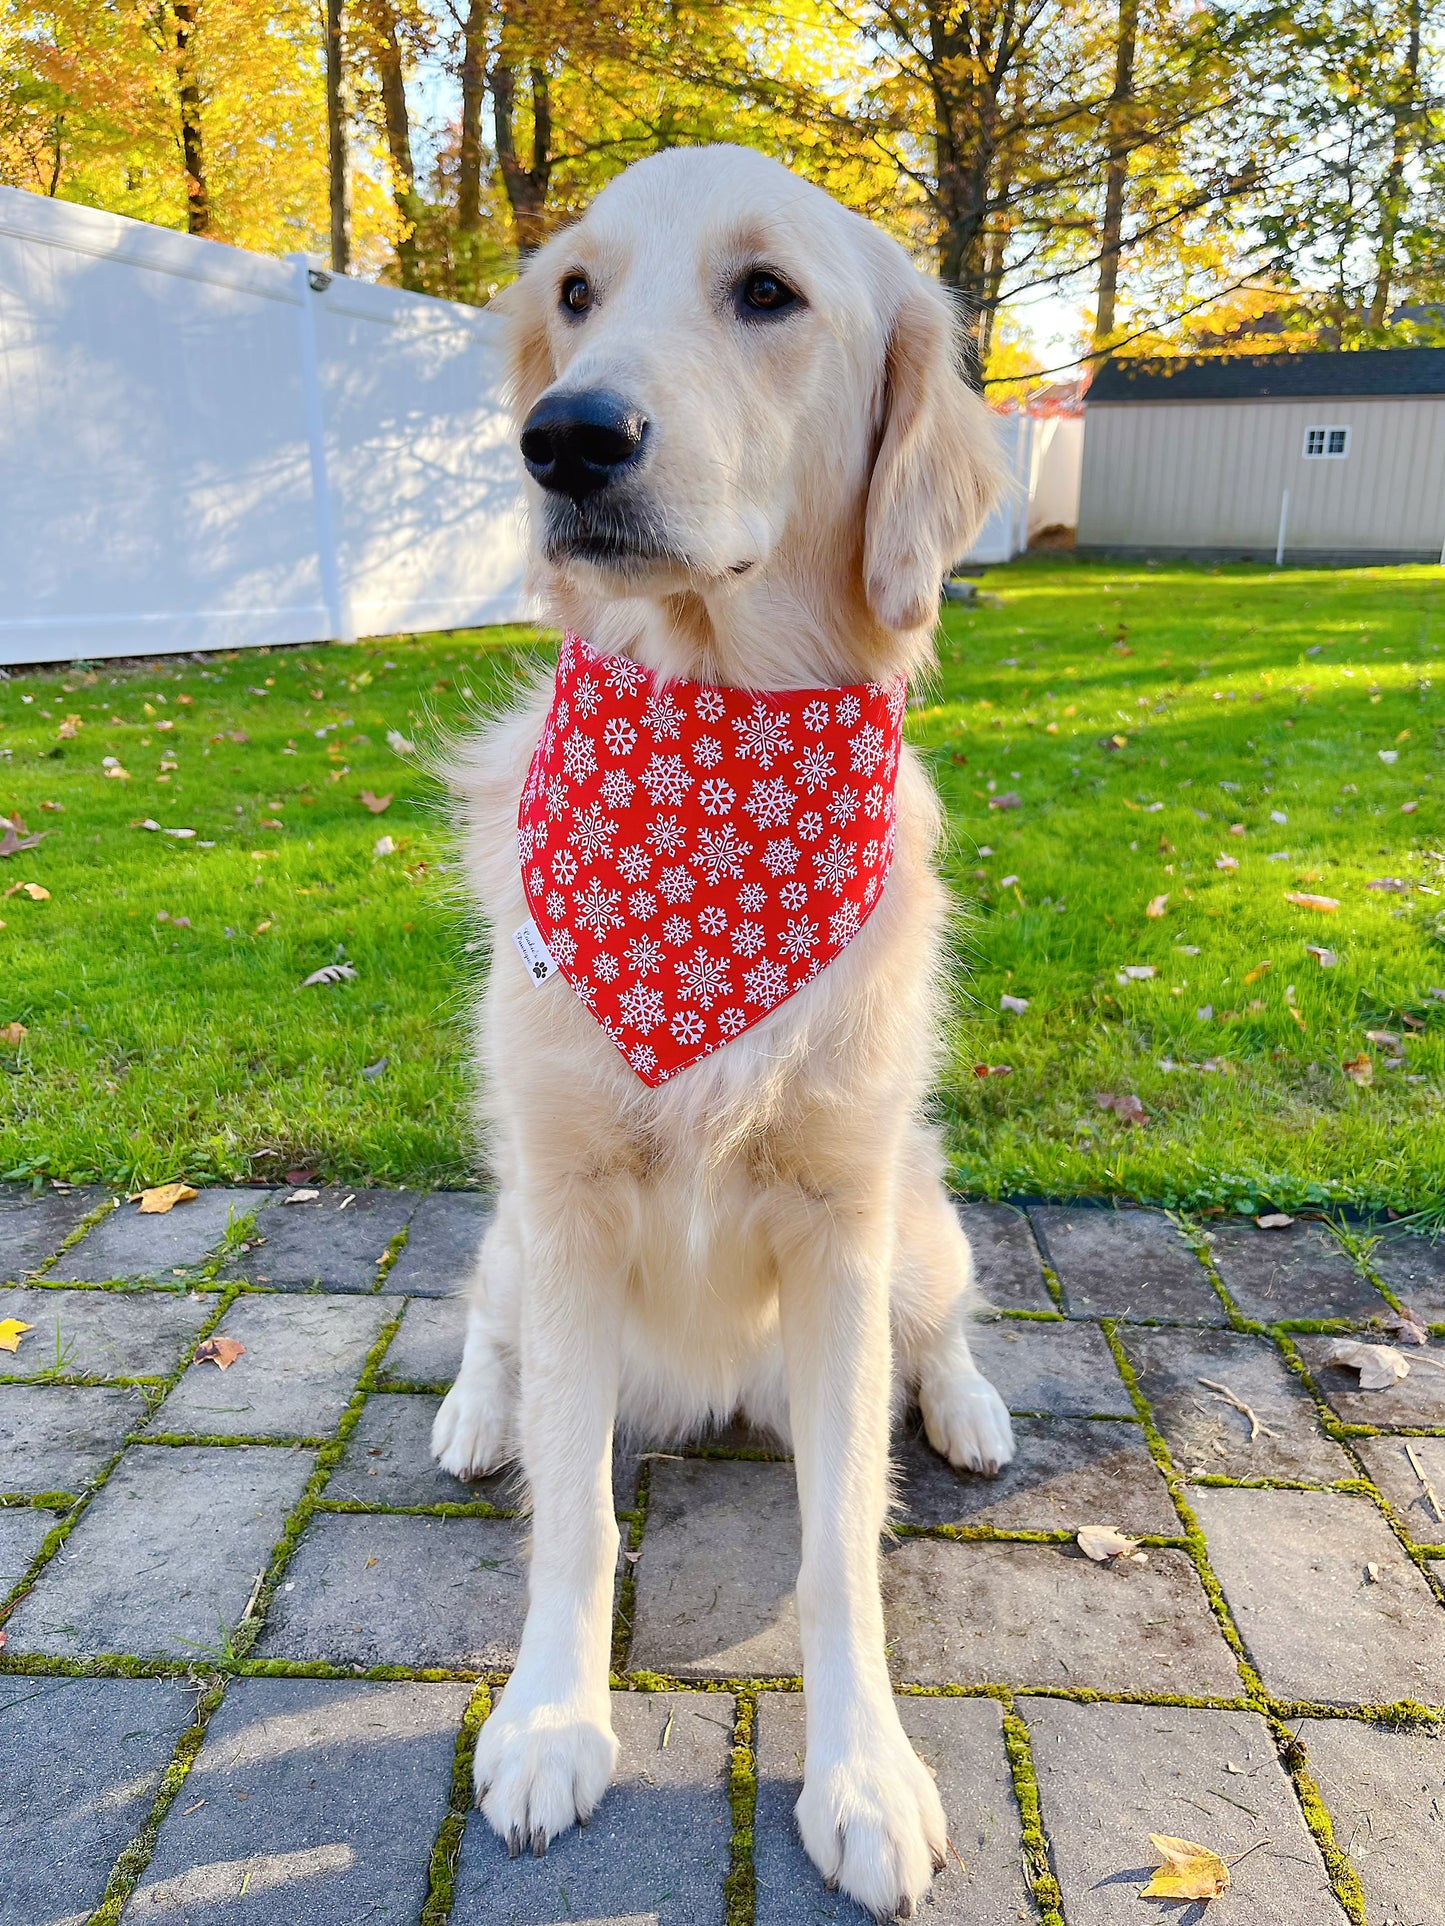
1271	377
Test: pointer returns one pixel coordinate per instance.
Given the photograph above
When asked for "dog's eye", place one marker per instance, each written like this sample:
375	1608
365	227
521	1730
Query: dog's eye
763	292
576	294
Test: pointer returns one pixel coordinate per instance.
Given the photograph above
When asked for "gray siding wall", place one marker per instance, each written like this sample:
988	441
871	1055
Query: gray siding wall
1209	475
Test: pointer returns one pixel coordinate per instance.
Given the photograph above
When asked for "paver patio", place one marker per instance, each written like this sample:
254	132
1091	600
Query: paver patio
252	1630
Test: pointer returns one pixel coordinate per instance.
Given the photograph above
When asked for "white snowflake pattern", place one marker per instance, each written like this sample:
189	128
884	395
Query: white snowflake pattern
749	938
849	709
815	716
564	868
771	803
710	705
870	854
619	736
873	801
751	898
586	695
536	881
641	1007
815	768
716	796
720	853
644	956
556	797
642	905
843	805
592	834
606	967
617	788
541	831
765	982
579	758
793	895
780	858
634	864
687	1027
527	835
763	735
731	1023
897	698
870	889
662	716
866	748
596	909
567	652
703	978
563	946
666	781
676	884
800	936
556	905
676	930
564	712
844	924
712	921
643	1057
707	752
666	835
809	826
835	865
623	676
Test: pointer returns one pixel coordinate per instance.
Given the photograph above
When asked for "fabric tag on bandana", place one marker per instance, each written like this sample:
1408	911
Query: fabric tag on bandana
540	962
694	854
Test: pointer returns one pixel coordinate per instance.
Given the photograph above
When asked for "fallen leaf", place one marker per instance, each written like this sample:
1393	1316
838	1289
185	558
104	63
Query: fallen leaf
112	768
1188	1872
300	1196
1394	885
1389	755
1386	1037
1406	808
383	846
1297	1015
1135	973
1406	1326
399	743
330	973
163	1197
1326	959
1301	900
993	1070
71	727
1380	1365
1360	1069
36	893
17	837
1103	1542
12	1329
1226	862
220	1351
13	1034
371	1071
1127	1109
1259	970
1236	829
1017	1004
376	804
1012	800
1274	1220
1157	906
56	807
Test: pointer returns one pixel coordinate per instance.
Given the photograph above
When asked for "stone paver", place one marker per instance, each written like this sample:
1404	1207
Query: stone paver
1006	1265
1414	1269
388	1461
1298	1272
1420	1510
1318	1622
402	1590
442	1241
428	1347
22	1532
1125	1263
165	1558
1046	1615
302	1360
1064	1370
127	1244
80	1762
1207	1435
962	1741
328	1244
33	1226
101	1334
716	1579
58	1437
1067	1472
312	1800
656	1852
1383	1791
1418	1399
1109	1775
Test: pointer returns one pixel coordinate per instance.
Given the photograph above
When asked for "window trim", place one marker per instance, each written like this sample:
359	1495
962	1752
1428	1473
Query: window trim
1326	430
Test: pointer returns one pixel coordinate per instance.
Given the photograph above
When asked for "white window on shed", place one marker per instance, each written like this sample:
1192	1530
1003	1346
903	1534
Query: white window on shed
1326	444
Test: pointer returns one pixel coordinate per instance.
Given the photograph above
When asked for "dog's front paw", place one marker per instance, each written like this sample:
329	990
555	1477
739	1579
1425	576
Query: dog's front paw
968	1422
472	1433
873	1823
541	1769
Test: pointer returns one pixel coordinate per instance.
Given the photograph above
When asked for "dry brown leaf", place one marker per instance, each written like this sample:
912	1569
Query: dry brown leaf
1188	1872
1103	1542
1390	1038
161	1198
13	1034
1156	906
331	973
1127	1109
1407	1326
12	1329
68	729
1360	1069
1303	900
993	1070
1380	1365
16	835
1275	1220
1326	959
1259	970
220	1351
1012	800
376	804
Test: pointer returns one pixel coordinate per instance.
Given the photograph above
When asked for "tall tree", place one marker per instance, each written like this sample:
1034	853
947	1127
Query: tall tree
337	160
193	149
1116	170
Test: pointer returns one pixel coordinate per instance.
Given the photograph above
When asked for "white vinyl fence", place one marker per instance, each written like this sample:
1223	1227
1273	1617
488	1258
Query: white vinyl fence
1043	457
202	448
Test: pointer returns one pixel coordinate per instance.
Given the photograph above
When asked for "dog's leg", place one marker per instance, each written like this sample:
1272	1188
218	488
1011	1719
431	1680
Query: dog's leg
869	1814
546	1754
475	1431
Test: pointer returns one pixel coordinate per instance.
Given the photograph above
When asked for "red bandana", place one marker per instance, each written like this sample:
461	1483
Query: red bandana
693	855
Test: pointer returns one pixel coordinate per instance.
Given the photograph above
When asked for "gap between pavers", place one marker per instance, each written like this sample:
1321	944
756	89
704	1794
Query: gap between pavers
101	1334
1109	1775
1125	1263
131	1244
23	1530
334	1242
388	1461
1062	1370
442	1242
1387	1460
1298	1272
658	1846
1414	1269
311	1799
961	1741
34	1226
57	1437
428	1347
1382	1788
1418	1399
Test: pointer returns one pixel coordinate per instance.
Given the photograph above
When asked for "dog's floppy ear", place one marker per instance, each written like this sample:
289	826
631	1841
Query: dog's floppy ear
522	309
936	472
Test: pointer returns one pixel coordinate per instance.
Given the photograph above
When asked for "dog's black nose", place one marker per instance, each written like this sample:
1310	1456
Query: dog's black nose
575	444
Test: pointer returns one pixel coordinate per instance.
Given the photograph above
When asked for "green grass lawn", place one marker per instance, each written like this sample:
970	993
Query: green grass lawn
1137	714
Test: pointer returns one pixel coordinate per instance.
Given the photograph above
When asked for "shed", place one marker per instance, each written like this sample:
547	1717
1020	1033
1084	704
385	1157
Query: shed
1330	457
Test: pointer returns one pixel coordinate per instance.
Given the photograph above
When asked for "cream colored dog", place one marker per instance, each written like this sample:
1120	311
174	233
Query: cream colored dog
752	462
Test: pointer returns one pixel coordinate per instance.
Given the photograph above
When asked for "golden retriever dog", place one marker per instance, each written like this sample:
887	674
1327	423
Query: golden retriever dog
751	461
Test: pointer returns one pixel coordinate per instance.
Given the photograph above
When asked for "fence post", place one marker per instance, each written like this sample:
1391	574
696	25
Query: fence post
1283	525
335	596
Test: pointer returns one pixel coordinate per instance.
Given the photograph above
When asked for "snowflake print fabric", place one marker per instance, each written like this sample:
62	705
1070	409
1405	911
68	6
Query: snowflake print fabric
692	856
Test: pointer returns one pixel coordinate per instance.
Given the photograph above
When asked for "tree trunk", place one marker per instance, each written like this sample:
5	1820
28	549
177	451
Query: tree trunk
1116	173
340	180
1392	200
54	187
398	141
474	87
526	186
198	204
965	138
